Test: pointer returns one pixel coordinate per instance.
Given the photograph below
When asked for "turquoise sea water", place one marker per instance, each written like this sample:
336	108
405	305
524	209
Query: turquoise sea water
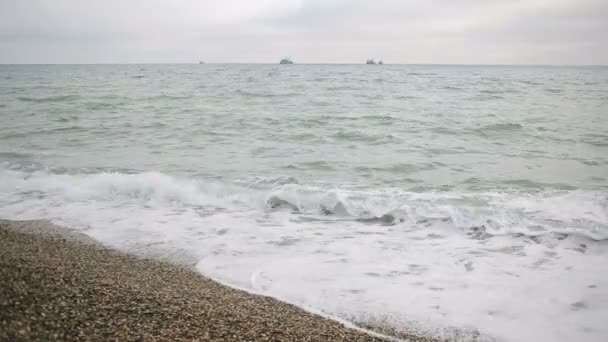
418	196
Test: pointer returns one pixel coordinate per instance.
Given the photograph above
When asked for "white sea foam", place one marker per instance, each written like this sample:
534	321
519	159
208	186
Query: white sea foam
518	267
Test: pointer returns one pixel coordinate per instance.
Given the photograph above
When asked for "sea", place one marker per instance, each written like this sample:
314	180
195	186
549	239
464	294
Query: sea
466	202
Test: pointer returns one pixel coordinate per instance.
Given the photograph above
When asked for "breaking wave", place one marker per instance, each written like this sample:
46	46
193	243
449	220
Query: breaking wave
569	212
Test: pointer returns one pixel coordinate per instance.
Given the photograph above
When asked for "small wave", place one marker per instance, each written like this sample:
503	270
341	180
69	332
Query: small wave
532	185
405	97
313	122
64	119
43	132
491	91
352	136
382	118
15	155
321	103
529	82
596	139
401	168
375	139
317	165
304	136
553	90
168	97
101	105
343	88
501	91
247	93
487	97
421	74
326	118
500	127
266	182
445	130
214	133
597	143
453	88
59	98
589	162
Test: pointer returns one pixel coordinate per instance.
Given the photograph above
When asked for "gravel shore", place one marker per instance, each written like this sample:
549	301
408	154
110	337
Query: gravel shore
58	285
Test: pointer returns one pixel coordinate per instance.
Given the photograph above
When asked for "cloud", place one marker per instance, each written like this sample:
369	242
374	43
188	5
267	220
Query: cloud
400	31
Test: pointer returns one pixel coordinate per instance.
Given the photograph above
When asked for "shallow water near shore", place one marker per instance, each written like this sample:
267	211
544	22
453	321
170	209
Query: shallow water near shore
458	200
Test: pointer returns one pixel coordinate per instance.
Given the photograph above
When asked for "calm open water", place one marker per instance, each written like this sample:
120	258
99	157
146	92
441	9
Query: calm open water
460	200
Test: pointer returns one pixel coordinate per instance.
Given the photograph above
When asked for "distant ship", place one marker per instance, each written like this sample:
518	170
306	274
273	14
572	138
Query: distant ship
201	62
372	61
286	61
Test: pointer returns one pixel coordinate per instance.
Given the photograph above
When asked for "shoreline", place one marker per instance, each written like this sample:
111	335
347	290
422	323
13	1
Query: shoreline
62	284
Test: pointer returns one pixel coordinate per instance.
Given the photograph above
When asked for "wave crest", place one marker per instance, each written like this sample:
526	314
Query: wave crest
570	212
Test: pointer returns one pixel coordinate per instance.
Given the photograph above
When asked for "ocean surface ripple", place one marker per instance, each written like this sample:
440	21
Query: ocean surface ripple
467	201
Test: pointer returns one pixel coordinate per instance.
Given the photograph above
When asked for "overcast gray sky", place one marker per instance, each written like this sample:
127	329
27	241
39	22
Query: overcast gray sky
309	31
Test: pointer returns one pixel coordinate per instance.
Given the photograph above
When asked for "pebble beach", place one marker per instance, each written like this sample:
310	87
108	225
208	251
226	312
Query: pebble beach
59	285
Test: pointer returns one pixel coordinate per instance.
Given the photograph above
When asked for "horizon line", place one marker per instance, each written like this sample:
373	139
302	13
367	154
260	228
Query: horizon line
319	63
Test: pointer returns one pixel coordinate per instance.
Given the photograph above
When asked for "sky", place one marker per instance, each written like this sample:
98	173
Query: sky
308	31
